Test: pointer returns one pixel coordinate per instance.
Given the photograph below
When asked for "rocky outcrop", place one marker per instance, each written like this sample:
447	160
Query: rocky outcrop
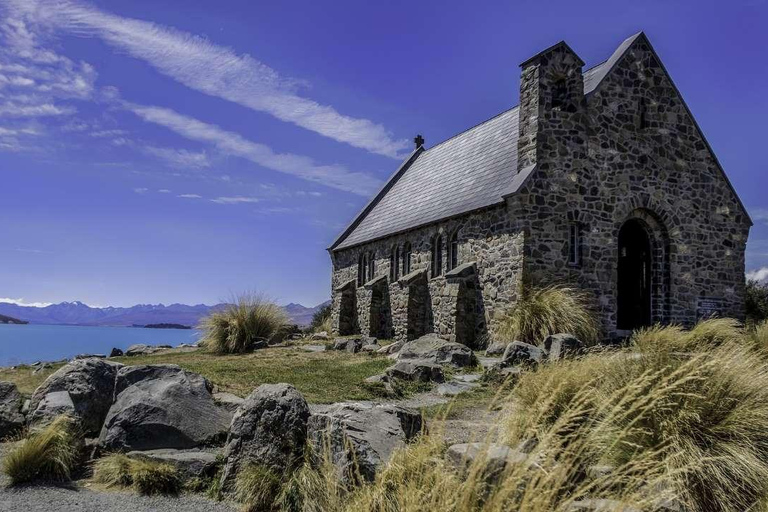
11	419
416	370
494	457
495	349
519	353
269	429
434	349
89	384
116	352
392	348
193	463
52	405
162	406
562	345
360	437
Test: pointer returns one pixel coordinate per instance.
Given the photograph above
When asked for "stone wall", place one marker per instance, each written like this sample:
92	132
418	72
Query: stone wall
486	237
632	150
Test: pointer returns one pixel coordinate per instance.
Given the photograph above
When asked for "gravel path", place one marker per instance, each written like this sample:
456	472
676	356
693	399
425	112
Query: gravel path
62	499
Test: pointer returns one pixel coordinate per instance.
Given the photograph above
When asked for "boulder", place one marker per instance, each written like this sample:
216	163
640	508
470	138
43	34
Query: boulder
228	401
371	349
455	387
562	345
116	352
392	348
162	406
51	406
416	370
90	385
436	350
601	505
312	348
519	353
259	344
352	345
88	356
495	349
385	384
193	463
359	438
495	457
320	336
11	418
140	349
269	429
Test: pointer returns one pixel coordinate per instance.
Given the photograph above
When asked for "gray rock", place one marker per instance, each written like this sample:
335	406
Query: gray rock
519	353
11	418
41	368
562	345
51	406
416	370
436	350
140	349
353	344
468	377
228	401
116	352
495	348
259	344
270	429
88	356
90	384
455	387
495	457
359	438
193	463
162	406
320	336
313	348
371	349
392	348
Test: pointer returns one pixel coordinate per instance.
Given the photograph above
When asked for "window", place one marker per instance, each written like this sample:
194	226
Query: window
559	94
642	109
574	244
406	259
394	264
453	250
437	256
371	265
361	270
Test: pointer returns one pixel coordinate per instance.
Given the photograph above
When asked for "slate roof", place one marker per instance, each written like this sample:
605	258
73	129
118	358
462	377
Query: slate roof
472	170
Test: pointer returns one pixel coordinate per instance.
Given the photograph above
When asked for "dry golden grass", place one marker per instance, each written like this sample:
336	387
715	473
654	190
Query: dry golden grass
550	310
235	329
49	454
146	477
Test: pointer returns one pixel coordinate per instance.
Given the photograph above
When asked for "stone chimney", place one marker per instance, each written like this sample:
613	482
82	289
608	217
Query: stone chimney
551	100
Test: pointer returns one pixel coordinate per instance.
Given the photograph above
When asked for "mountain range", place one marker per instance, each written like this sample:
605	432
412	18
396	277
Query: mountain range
77	313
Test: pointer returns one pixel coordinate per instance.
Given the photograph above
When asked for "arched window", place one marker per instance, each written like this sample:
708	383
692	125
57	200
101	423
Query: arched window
559	94
394	264
361	270
371	265
407	258
453	250
437	256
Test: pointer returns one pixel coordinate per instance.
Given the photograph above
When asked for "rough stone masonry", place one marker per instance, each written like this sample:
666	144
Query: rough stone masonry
599	179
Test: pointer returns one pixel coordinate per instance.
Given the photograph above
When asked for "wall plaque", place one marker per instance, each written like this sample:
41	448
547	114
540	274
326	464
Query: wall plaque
709	307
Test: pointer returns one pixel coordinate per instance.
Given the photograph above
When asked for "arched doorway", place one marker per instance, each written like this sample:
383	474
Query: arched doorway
634	276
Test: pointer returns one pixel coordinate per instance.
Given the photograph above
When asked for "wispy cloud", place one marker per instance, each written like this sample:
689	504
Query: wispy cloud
760	275
335	176
11	109
235	200
180	157
190	196
141	190
759	215
22	302
212	69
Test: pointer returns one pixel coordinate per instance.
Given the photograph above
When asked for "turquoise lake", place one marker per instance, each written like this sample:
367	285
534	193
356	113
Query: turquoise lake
30	343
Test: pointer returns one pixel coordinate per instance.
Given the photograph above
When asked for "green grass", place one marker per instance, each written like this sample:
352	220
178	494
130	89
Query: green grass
322	377
147	477
26	381
49	454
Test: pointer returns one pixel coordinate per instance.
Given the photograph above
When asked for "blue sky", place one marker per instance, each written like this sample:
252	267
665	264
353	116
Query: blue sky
182	151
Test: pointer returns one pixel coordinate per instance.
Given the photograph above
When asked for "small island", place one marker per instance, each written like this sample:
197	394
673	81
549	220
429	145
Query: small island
10	320
167	326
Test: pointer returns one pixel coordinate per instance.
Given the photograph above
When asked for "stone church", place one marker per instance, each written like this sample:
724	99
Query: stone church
599	178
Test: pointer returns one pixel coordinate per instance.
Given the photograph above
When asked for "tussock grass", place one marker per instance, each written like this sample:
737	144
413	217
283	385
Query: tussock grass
235	330
146	477
49	454
321	320
550	310
257	488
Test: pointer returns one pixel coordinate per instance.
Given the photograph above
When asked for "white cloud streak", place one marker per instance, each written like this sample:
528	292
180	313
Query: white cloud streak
190	196
21	302
235	200
335	176
182	158
760	275
209	68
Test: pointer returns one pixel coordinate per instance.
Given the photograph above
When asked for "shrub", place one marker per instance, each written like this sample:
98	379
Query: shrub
551	310
321	320
145	476
756	301
240	325
51	453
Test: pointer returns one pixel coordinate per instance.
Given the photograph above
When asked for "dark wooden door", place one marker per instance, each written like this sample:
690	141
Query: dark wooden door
634	286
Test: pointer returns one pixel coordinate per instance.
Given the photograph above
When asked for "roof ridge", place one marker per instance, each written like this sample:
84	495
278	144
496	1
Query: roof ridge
472	128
